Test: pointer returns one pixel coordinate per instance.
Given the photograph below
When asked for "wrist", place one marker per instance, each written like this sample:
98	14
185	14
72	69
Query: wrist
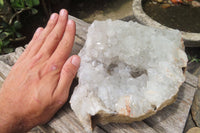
9	123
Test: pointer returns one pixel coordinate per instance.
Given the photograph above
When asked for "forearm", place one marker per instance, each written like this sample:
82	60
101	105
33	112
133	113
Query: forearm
10	126
8	122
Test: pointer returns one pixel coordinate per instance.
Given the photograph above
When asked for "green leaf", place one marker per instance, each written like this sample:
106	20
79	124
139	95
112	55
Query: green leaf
17	24
5	25
8	50
6	33
34	11
193	59
5	43
189	57
9	29
21	3
17	4
29	3
1	3
36	2
1	43
3	35
18	34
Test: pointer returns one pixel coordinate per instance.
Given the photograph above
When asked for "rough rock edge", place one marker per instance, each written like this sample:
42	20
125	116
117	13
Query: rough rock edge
104	118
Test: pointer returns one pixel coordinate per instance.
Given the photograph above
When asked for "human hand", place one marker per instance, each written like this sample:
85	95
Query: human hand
39	82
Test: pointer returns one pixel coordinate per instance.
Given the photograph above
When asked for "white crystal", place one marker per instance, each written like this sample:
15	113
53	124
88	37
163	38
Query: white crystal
127	69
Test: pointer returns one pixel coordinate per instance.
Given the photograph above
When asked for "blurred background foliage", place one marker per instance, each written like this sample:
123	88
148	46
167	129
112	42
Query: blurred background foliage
20	18
10	24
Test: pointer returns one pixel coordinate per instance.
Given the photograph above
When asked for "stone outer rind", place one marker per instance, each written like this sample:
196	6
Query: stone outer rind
104	118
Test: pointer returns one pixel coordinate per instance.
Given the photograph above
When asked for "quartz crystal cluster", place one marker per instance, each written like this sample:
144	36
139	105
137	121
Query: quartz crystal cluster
128	72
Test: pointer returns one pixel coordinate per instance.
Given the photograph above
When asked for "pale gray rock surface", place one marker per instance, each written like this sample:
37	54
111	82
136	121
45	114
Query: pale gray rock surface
11	58
128	72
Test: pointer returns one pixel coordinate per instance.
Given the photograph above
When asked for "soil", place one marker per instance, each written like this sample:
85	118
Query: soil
194	52
182	17
90	10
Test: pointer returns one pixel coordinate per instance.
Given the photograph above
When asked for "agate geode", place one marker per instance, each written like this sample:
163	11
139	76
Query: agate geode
128	72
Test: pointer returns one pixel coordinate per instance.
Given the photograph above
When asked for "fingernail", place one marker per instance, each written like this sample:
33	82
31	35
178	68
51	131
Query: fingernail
63	12
76	61
38	30
53	16
70	22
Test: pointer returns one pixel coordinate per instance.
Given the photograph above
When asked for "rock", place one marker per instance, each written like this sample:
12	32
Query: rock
196	108
128	72
165	5
194	130
154	2
195	4
11	58
160	1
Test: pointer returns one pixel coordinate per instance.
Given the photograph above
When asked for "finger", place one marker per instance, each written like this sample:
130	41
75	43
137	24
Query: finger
65	46
56	35
67	75
35	37
36	45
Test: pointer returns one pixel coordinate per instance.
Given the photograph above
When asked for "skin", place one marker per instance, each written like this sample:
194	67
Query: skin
38	84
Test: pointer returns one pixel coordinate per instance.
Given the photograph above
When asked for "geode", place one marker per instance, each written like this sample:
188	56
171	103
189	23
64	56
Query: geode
128	72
